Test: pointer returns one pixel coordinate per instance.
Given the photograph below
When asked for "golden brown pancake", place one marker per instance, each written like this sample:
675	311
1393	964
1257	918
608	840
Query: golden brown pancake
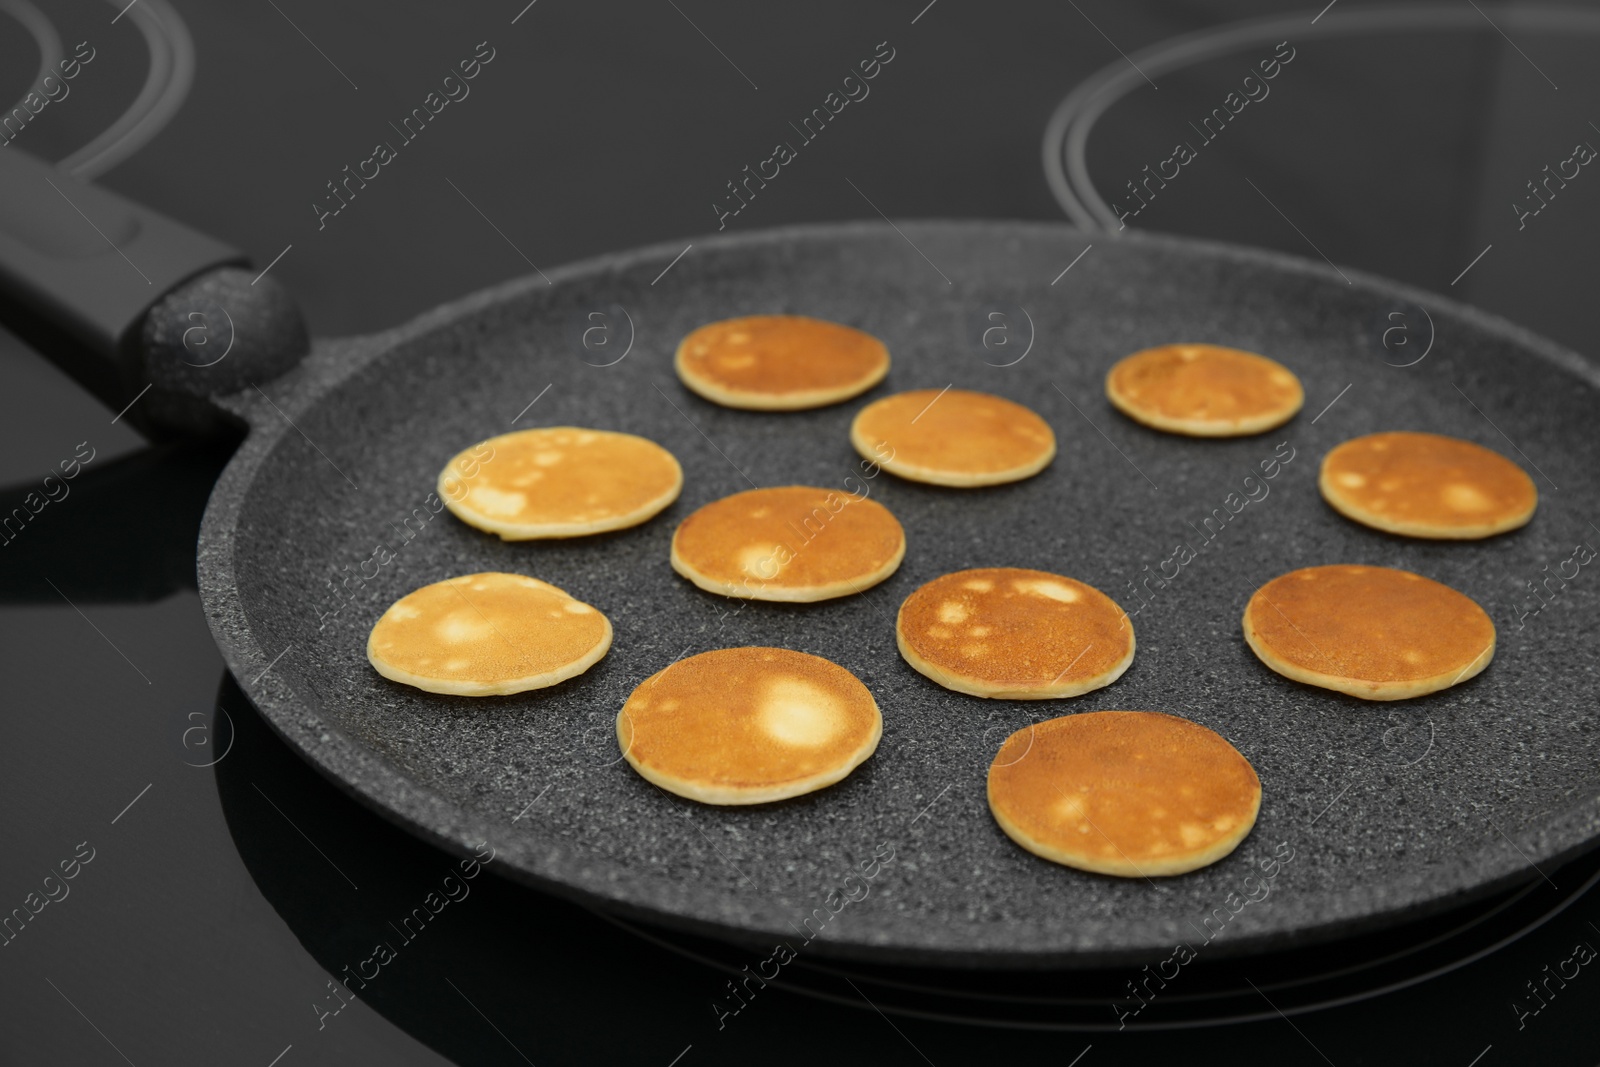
1131	793
795	543
780	362
487	634
1371	632
1204	390
953	437
1014	634
559	481
1427	485
748	725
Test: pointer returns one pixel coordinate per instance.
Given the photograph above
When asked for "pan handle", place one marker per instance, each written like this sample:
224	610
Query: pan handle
141	310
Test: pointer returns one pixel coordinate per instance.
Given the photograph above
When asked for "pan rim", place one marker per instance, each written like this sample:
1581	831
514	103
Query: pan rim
550	863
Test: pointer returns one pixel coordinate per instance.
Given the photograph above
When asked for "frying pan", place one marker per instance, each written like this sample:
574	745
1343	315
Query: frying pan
1372	813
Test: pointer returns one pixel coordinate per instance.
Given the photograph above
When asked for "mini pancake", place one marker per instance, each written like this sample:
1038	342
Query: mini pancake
1204	390
794	543
1134	794
1014	634
780	362
1371	632
487	634
953	437
559	481
748	725
1427	485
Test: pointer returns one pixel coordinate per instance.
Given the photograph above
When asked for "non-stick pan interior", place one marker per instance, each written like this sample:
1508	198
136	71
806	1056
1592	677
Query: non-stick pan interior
1370	811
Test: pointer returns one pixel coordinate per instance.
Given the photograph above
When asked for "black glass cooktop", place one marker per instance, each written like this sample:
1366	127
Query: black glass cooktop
183	889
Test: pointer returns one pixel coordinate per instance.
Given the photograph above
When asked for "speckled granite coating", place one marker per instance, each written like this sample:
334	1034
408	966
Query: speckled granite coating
1389	808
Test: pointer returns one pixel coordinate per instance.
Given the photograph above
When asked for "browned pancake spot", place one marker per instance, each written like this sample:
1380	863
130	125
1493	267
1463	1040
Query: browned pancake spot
1427	485
1128	793
1014	633
953	437
1371	632
559	481
486	634
748	725
780	362
1204	390
795	543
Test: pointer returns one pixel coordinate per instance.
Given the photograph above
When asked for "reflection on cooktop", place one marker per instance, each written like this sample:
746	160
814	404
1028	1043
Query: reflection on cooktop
427	939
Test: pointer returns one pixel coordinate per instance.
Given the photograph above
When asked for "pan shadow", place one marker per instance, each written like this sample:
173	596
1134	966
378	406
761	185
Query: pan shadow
120	532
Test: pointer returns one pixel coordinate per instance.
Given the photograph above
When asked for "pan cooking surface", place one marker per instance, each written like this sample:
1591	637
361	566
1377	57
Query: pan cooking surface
1370	811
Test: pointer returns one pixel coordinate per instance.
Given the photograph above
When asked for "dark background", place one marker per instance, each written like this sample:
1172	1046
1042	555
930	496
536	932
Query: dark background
216	907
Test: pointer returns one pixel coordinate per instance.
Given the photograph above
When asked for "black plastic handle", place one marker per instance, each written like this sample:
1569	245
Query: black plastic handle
130	302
